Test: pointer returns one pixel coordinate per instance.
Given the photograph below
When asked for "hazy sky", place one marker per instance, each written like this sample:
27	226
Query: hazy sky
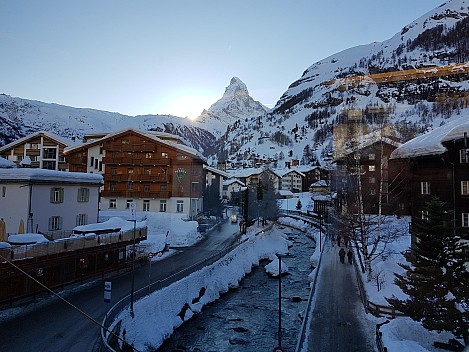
177	57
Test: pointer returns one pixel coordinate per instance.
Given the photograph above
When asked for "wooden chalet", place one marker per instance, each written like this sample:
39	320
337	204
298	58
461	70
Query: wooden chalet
436	164
150	168
41	150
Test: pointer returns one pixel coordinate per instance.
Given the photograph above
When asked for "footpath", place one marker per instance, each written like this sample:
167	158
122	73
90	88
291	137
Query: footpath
339	322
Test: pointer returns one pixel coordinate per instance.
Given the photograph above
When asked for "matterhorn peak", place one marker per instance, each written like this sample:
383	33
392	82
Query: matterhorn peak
235	104
236	88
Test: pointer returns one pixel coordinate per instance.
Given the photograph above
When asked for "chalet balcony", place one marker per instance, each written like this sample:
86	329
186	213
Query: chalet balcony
136	161
33	152
137	178
134	147
77	160
135	194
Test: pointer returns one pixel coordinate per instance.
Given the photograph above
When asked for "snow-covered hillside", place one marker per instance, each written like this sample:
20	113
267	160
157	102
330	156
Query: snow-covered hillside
377	83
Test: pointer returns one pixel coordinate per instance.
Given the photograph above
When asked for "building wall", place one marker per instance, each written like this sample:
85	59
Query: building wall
22	199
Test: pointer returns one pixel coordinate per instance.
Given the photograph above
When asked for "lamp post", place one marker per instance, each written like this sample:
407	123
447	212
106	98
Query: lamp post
279	347
320	232
132	288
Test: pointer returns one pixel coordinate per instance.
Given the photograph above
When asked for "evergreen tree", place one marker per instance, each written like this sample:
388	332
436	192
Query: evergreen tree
298	205
436	281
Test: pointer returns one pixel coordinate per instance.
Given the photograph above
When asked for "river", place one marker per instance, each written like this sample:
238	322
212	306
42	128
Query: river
246	318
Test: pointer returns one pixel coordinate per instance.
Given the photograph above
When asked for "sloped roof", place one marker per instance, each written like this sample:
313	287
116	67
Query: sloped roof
48	176
431	143
55	138
146	134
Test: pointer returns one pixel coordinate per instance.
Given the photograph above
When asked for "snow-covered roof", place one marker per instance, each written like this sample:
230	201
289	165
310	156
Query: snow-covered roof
320	183
147	134
364	141
216	171
431	143
240	173
286	193
44	176
231	181
55	138
283	172
4	163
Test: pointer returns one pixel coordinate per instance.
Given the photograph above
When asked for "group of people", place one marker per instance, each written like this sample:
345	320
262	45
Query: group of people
342	252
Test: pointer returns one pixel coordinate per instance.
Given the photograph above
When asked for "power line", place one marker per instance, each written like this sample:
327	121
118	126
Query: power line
64	300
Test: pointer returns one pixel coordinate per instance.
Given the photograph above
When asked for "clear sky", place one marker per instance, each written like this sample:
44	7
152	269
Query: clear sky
177	56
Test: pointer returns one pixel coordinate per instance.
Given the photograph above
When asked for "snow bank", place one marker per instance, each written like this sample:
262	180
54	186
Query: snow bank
159	314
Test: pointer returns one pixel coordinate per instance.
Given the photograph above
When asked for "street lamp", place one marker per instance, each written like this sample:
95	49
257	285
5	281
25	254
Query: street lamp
279	347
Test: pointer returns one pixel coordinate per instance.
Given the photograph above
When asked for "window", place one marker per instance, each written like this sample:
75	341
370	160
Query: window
113	187
424	187
125	141
162	205
96	163
114	171
372	192
164	171
112	204
146	205
48	165
465	188
180	206
371	156
92	161
146	187
425	215
464	156
83	195
19	157
465	220
164	188
130	186
101	150
4	191
164	155
100	168
33	146
49	153
371	168
128	202
130	170
181	157
55	223
82	219
372	180
33	157
56	195
148	155
147	171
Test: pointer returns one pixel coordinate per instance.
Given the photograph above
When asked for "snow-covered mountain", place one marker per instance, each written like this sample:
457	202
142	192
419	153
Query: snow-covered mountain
235	104
374	81
19	117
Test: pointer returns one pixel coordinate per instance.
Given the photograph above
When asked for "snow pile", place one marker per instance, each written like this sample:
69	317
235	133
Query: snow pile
272	267
159	314
27	238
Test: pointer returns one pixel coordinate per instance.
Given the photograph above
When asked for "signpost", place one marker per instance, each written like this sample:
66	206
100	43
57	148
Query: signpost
107	291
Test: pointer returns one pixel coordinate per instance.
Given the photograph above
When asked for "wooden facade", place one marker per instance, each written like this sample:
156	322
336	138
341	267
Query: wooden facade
445	176
139	166
368	167
44	151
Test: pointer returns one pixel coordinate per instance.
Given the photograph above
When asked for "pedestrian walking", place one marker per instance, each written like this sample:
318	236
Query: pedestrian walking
346	241
342	255
338	240
350	256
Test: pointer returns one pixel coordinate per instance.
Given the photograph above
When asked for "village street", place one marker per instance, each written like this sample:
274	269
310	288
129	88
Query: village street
55	326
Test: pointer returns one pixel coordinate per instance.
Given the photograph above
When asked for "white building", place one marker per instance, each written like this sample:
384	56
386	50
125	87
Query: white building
290	180
48	201
231	186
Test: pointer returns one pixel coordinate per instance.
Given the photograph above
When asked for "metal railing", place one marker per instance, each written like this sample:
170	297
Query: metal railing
155	286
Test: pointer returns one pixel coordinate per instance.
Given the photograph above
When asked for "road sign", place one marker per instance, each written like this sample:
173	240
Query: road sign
107	291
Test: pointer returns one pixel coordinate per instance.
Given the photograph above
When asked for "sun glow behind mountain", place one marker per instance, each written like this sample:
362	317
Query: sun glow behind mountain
190	106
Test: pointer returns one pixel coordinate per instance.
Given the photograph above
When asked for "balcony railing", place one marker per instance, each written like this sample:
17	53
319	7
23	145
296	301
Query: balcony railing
136	161
138	177
136	194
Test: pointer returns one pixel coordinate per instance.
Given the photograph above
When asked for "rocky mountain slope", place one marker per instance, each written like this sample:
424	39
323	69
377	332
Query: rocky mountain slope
378	83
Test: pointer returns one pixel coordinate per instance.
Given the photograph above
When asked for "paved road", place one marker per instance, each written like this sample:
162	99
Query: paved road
338	316
55	326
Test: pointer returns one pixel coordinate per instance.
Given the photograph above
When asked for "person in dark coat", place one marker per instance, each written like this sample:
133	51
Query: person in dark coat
342	255
350	256
338	240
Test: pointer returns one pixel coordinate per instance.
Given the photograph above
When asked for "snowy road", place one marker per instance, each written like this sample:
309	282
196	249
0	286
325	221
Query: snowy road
54	326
